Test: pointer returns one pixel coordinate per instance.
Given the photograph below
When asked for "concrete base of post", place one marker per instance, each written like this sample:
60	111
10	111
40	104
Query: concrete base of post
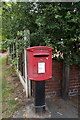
31	112
38	110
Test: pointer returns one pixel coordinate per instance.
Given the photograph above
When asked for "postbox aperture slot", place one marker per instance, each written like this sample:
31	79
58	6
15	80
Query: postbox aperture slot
41	55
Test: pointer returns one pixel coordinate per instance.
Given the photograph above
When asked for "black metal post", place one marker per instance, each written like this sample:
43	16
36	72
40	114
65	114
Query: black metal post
39	96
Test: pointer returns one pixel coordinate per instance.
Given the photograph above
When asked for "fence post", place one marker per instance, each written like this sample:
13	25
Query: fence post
17	57
13	50
25	68
65	82
28	82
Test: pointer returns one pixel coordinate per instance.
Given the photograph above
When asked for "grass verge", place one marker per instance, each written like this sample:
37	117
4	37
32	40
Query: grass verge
0	88
9	103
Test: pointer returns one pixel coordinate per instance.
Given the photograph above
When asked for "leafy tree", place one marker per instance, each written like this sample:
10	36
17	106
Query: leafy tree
52	24
17	17
59	26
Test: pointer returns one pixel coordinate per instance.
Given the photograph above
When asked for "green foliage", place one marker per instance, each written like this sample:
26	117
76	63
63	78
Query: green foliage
10	105
59	23
16	46
50	24
16	17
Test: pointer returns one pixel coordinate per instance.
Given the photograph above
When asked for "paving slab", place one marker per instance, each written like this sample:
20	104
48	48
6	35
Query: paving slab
29	112
56	107
62	109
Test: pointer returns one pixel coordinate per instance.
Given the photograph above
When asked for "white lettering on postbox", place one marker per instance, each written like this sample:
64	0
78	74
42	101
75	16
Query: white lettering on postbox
41	67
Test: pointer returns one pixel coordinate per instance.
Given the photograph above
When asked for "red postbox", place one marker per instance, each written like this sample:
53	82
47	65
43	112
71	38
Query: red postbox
39	63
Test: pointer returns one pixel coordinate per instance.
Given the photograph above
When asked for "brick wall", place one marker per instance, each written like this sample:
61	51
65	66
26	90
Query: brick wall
54	85
74	83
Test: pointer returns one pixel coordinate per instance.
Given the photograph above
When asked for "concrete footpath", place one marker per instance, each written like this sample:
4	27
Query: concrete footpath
57	107
2	55
62	109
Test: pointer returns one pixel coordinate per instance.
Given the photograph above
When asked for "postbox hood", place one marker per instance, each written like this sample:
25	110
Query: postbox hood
39	48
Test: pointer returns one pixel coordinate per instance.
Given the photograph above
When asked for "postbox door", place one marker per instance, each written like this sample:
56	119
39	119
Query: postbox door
40	68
